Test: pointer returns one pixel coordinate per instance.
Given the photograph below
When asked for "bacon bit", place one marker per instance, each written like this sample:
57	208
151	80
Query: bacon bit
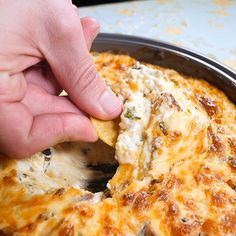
206	176
85	211
59	192
174	136
2	233
45	216
148	230
86	197
218	176
156	181
209	105
31	227
141	201
232	200
68	230
220	130
128	198
162	195
105	64
116	88
210	227
188	226
232	184
173	182
156	131
162	127
121	67
125	184
232	144
173	209
28	228
219	198
218	121
82	210
184	229
190	204
202	178
229	222
10	179
171	101
157	103
217	145
201	147
156	144
110	230
232	162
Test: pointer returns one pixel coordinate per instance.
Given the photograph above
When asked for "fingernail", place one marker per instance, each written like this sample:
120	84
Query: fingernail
110	103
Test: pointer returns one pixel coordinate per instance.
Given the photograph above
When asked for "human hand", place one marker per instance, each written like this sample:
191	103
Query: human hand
32	115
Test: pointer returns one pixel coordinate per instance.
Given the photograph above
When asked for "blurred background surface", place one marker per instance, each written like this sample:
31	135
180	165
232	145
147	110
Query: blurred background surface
205	26
93	2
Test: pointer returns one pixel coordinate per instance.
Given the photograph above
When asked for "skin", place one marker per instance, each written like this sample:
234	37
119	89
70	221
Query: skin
44	47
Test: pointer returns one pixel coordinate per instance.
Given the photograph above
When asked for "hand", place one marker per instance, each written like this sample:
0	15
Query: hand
44	47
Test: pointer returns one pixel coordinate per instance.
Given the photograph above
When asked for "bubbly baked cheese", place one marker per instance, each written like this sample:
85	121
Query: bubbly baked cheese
176	157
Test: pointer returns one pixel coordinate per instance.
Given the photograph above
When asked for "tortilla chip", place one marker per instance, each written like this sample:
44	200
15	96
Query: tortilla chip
107	130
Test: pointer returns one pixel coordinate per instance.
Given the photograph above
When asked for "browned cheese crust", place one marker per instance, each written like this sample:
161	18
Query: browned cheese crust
188	186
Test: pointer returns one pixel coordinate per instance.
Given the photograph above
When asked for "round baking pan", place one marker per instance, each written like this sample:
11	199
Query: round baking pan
170	56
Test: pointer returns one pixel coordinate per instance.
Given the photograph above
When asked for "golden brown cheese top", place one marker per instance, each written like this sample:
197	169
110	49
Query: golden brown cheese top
180	181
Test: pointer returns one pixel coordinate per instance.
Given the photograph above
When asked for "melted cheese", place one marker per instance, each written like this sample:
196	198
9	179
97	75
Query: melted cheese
177	165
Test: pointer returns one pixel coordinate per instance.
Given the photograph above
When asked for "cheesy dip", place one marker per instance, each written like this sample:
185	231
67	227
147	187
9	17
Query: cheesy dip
176	159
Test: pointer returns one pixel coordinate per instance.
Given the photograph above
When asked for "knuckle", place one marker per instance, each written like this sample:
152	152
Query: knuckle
87	80
66	27
61	20
12	88
15	147
62	29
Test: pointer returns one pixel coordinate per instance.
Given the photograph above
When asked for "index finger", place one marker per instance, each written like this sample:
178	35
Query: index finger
66	51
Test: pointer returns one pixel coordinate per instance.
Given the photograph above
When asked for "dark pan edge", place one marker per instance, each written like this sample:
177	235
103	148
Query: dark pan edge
221	76
150	42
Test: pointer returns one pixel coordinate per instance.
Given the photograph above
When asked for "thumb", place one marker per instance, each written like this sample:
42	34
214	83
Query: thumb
73	67
90	28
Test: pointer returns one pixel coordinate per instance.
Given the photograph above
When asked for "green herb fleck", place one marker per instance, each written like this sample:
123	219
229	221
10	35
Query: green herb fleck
130	114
